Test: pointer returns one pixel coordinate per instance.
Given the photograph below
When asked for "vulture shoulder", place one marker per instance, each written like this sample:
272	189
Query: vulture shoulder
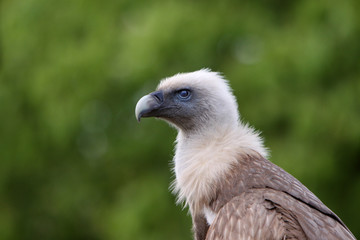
270	214
259	200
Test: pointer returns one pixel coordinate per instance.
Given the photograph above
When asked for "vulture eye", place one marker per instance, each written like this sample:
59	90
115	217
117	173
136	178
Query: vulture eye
184	94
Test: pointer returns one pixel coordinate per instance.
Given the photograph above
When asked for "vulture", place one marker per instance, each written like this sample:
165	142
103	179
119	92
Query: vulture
221	169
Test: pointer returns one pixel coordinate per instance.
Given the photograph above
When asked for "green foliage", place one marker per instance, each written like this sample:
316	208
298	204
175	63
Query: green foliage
74	163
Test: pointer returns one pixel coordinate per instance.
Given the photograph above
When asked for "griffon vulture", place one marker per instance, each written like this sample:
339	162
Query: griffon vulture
221	170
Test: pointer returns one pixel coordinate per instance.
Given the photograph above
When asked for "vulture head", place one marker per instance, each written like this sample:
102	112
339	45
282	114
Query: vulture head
192	102
201	106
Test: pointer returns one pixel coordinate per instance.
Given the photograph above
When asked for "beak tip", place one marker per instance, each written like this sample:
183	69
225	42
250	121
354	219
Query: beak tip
138	116
143	106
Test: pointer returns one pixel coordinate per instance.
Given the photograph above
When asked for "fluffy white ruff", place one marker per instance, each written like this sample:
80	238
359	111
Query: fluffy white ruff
201	161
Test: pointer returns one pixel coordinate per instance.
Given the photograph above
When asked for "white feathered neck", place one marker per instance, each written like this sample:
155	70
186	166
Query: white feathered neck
202	160
202	157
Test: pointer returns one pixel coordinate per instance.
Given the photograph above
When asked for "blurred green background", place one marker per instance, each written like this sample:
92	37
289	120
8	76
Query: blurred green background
75	164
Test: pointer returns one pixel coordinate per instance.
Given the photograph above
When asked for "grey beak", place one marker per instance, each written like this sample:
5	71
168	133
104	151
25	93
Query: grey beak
147	104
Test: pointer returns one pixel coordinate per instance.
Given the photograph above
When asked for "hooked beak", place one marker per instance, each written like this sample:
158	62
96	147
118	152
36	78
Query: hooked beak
148	104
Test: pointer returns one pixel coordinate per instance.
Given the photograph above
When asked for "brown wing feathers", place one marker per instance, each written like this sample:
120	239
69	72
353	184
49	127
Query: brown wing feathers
261	201
251	216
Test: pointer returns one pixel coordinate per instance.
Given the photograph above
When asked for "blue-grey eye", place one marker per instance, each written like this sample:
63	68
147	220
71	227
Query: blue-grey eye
184	94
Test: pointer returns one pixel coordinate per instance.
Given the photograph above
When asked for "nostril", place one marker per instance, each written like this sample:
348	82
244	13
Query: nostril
159	96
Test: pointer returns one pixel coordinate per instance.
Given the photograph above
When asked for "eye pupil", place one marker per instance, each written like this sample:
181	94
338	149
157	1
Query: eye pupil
184	93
